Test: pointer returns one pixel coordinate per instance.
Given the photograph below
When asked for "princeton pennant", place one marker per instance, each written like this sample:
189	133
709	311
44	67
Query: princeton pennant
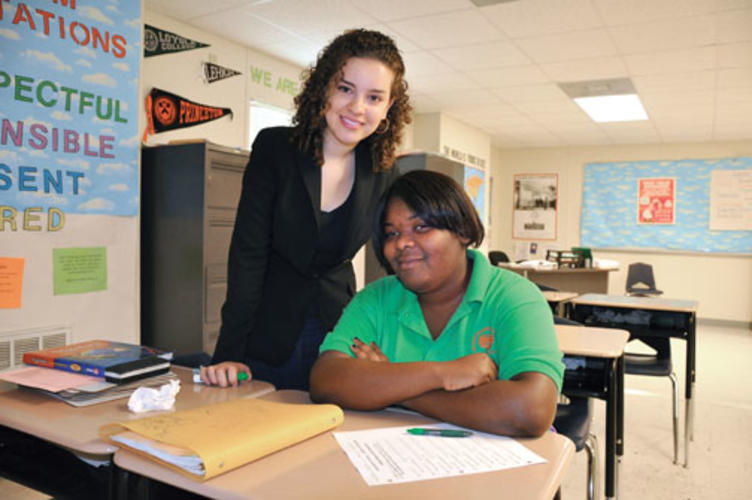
166	111
214	72
158	42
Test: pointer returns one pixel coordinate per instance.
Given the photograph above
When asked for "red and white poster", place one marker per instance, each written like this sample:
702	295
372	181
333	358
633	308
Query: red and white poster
656	201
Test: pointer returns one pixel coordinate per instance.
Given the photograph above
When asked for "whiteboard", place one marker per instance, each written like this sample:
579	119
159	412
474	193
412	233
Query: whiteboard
731	200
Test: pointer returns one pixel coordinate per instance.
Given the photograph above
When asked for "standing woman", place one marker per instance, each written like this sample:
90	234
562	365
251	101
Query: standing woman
309	192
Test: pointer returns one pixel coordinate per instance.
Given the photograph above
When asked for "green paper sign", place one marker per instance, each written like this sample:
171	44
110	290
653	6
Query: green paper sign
79	270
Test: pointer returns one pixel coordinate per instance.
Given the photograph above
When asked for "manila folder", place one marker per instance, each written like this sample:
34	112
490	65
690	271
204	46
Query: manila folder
204	442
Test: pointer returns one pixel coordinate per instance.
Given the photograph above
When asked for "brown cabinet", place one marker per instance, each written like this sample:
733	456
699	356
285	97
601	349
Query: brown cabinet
189	197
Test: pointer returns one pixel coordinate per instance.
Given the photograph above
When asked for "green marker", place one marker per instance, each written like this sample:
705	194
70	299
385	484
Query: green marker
197	376
450	433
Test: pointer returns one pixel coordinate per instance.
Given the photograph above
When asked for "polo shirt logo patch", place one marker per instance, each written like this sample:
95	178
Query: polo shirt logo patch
483	340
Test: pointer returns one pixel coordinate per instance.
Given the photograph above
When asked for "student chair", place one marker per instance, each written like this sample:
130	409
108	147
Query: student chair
497	256
640	280
657	365
573	421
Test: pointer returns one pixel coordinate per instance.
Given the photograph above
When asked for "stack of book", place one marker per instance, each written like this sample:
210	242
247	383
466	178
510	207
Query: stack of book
91	372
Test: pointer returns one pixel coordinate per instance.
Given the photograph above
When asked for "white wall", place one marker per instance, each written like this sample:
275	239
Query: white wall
722	284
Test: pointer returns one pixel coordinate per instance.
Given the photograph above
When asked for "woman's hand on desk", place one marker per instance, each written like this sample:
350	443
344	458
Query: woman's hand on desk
224	374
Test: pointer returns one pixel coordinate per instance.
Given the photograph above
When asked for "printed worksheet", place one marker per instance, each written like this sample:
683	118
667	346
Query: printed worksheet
392	455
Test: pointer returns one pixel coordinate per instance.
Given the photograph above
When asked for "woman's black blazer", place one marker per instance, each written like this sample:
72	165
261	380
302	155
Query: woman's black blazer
270	283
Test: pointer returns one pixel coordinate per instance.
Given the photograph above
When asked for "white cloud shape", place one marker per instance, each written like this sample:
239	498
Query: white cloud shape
9	34
100	79
84	181
106	131
133	141
84	62
30	120
86	51
59	115
41	34
97	204
8	155
121	66
74	162
52	198
38	153
96	14
48	58
119	187
113	8
108	168
133	23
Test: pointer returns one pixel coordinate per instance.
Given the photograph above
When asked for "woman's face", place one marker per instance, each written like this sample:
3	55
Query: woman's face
424	258
359	98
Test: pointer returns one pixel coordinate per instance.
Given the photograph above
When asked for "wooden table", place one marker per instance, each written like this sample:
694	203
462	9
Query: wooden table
28	413
557	300
668	318
319	469
601	351
580	279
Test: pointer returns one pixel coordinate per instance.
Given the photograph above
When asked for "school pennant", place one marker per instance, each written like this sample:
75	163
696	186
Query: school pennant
158	42
214	72
166	111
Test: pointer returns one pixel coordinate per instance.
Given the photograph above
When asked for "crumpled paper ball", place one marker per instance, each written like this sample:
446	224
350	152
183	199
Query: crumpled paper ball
146	399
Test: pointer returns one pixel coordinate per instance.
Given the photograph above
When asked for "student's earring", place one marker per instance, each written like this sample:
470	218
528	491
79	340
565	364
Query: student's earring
383	126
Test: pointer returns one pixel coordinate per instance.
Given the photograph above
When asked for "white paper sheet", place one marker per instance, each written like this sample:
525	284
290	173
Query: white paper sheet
390	455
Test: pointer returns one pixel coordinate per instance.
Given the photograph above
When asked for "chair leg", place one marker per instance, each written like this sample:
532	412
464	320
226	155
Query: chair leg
591	447
675	387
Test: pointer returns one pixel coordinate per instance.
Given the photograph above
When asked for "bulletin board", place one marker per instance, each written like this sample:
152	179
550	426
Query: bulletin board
665	205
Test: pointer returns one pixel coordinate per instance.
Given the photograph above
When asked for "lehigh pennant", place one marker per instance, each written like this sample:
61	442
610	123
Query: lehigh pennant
214	72
158	42
166	111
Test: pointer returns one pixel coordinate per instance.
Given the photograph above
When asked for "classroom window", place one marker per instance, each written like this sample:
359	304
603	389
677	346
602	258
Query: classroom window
263	116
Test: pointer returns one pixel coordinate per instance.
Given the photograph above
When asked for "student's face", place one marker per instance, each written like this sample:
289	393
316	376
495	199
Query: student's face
359	98
424	258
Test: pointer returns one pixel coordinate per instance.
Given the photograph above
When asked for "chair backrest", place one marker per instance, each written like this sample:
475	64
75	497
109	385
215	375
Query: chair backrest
640	280
496	256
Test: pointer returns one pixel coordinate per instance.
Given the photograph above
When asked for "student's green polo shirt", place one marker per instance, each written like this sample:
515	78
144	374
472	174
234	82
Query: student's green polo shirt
501	314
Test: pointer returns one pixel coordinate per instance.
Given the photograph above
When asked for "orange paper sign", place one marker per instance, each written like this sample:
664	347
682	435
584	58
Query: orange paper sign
11	282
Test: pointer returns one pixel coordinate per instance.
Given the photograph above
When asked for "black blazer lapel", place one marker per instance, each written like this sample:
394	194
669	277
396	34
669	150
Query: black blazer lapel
310	172
360	217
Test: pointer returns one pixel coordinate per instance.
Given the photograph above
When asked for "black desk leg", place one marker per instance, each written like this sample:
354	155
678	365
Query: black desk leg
619	396
689	416
611	434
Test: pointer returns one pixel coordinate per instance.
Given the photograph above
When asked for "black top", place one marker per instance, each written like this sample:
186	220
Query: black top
279	264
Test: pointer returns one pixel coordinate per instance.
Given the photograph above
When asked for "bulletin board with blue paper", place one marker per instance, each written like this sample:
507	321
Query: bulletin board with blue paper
682	205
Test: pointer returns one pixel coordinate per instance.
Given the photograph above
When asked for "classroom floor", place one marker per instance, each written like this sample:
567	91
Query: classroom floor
720	455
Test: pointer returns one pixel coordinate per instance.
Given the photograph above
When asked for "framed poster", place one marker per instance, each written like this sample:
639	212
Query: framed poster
535	199
656	200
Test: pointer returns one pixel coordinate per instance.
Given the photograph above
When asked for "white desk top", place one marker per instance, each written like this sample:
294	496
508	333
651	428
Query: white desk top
627	301
319	469
29	411
593	342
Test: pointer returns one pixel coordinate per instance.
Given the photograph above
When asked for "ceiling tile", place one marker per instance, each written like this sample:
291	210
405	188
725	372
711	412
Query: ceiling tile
463	99
620	12
735	55
508	77
404	44
542	17
676	61
735	77
447	82
188	9
297	51
244	28
444	30
391	10
686	133
526	93
598	68
304	17
421	103
568	46
422	63
482	56
631	132
733	26
674	81
665	35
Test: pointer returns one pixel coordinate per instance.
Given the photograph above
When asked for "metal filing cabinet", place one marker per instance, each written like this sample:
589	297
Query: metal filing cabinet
189	198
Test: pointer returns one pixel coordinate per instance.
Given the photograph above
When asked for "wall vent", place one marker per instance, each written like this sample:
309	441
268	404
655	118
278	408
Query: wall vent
13	344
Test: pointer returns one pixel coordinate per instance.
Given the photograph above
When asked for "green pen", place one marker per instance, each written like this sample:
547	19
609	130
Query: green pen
197	376
450	433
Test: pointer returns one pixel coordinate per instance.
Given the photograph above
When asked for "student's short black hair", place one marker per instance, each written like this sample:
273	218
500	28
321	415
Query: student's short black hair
438	200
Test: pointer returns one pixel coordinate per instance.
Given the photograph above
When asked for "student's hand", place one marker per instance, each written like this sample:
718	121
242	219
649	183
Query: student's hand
468	371
224	374
370	352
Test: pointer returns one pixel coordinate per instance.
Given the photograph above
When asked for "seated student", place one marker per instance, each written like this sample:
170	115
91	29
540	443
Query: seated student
449	335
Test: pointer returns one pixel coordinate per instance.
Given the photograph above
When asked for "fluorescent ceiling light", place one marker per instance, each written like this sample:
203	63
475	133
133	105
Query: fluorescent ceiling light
613	108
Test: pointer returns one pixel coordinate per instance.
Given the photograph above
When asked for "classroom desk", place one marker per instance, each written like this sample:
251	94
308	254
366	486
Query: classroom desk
557	300
579	279
319	469
668	318
601	351
44	418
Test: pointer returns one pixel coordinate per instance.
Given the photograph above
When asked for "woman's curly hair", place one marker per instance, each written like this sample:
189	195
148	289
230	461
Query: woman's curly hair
310	121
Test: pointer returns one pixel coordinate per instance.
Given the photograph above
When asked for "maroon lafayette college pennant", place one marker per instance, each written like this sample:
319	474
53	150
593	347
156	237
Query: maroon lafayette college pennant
166	111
